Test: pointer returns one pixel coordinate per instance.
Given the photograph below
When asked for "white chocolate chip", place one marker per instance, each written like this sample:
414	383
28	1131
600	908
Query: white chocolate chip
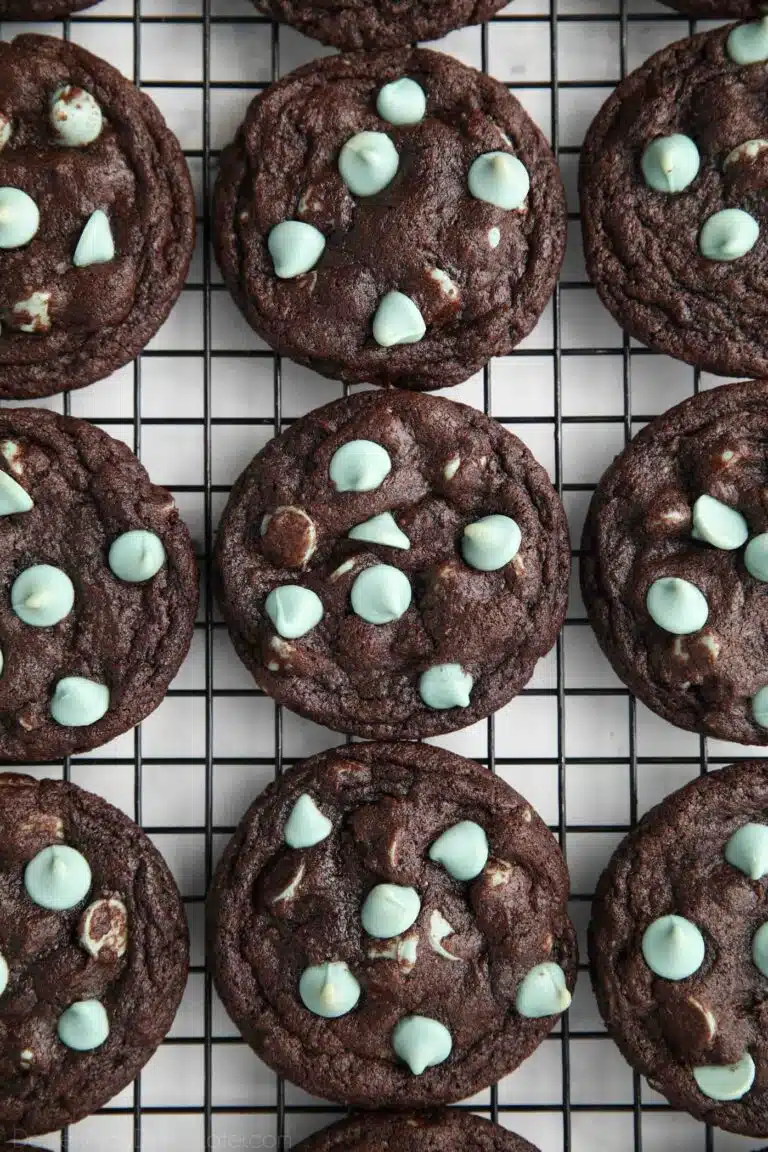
679	650
439	928
526	815
709	1019
103	928
342	569
404	951
749	150
392	851
711	643
11	451
674	516
518	565
273	667
34	312
277	644
452	467
447	286
289	892
5	130
497	872
26	1059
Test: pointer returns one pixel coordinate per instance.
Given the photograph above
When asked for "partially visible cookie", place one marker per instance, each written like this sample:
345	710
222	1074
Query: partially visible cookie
389	927
395	219
679	948
98	587
439	1131
378	23
675	220
674	567
97	218
41	9
717	9
93	953
393	565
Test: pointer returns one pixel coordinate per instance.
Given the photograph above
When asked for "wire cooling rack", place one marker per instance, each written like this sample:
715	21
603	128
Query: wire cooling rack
203	398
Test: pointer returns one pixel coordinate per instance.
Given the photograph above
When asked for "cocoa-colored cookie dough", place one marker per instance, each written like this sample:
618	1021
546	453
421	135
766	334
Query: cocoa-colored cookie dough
97	218
438	1131
701	466
389	927
679	952
419	283
396	610
98	587
680	261
93	953
380	24
717	9
41	9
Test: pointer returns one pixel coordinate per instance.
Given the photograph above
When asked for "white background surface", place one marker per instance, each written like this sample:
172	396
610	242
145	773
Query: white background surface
204	398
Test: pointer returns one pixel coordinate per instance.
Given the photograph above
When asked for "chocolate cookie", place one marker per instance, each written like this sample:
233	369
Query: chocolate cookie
97	218
93	953
675	564
381	24
98	587
41	9
393	565
674	215
439	1131
396	219
717	9
389	927
679	948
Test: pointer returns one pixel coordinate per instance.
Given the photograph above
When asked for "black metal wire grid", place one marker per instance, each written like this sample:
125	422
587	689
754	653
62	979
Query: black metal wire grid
580	1122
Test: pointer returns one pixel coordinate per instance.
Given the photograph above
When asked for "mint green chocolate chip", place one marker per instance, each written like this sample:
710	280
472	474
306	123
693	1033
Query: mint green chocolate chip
748	43
718	524
760	949
389	909
4	973
726	1081
500	179
490	543
380	529
83	1026
368	162
421	1043
397	321
728	235
59	877
293	610
542	992
42	595
96	244
329	990
673	947
402	102
462	850
756	557
381	594
676	605
359	466
445	686
75	116
760	707
306	824
295	248
747	850
19	218
13	498
77	702
136	556
670	163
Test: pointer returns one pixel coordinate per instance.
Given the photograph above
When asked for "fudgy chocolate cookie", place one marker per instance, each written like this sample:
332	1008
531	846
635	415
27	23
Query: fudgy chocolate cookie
717	9
439	1131
394	219
674	566
93	953
393	565
98	585
381	24
41	9
389	927
97	218
679	948
674	215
